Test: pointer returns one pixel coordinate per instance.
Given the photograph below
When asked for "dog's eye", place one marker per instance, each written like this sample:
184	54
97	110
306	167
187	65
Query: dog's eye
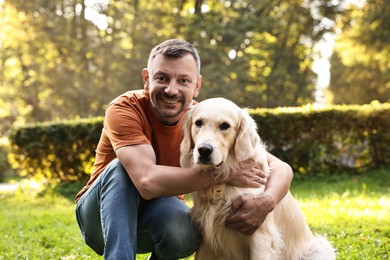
224	126
198	123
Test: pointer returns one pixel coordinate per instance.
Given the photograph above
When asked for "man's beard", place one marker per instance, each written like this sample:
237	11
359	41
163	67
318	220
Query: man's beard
169	112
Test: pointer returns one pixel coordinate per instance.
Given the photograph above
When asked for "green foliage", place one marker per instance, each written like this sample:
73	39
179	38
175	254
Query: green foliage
56	151
325	139
40	228
56	64
360	70
374	25
4	165
350	210
309	139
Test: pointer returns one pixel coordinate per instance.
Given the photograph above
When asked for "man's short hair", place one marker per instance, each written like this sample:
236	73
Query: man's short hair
175	48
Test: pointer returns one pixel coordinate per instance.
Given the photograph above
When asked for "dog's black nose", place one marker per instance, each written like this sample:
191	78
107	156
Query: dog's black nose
205	150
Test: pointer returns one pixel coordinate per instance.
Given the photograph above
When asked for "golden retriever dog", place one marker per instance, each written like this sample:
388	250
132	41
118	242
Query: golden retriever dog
219	134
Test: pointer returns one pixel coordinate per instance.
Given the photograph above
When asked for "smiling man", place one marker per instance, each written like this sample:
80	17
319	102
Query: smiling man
131	204
171	84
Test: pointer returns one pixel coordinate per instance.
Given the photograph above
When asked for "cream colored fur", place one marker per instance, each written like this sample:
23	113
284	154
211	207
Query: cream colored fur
219	134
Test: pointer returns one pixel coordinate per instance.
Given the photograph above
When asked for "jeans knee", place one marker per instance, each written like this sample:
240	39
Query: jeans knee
116	175
184	244
116	186
114	169
180	238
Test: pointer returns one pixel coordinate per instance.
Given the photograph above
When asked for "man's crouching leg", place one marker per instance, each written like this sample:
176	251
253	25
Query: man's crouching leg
107	214
166	229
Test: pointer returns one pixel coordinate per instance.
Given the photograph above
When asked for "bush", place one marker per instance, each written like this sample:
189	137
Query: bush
309	139
56	151
4	165
327	139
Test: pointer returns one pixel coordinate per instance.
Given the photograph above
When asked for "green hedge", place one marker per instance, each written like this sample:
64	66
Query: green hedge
61	151
5	167
327	139
311	140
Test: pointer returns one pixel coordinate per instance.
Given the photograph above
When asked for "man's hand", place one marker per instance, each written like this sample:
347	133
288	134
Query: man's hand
248	212
248	175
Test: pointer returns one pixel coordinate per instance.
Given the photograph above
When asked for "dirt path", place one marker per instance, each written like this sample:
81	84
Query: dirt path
8	187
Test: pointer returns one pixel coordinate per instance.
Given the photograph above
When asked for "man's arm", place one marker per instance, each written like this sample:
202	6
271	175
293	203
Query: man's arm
154	181
248	212
279	180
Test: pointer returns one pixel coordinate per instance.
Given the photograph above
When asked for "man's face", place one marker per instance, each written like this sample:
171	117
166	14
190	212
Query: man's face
172	84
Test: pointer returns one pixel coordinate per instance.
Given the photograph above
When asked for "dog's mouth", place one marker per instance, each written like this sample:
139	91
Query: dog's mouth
208	163
219	165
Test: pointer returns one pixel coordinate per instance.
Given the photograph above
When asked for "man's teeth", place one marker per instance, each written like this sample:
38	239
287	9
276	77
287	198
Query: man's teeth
170	101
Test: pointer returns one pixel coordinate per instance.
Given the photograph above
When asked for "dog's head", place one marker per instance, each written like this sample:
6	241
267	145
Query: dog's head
214	130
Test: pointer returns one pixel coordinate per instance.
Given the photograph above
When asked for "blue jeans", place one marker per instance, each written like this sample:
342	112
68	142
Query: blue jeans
116	222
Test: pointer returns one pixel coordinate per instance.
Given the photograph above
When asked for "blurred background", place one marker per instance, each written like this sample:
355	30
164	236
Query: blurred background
66	59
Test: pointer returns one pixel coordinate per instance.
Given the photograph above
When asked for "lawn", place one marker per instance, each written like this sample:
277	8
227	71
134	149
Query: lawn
351	210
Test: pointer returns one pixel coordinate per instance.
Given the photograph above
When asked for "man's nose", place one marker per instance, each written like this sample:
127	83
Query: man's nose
172	88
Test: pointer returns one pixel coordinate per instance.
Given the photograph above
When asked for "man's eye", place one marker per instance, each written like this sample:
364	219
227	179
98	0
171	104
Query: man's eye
185	81
198	123
160	78
224	126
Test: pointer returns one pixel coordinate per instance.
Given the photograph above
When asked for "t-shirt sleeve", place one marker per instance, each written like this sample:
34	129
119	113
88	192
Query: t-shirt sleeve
125	126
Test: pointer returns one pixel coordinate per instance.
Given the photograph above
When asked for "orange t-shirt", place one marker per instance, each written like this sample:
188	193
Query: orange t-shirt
129	120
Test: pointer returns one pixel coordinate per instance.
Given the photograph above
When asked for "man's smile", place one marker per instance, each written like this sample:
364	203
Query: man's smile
170	101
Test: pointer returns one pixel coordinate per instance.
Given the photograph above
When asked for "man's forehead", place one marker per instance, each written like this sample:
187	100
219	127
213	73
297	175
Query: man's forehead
167	65
159	57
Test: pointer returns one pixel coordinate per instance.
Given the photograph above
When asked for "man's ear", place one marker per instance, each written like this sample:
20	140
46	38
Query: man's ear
198	86
247	137
187	144
145	78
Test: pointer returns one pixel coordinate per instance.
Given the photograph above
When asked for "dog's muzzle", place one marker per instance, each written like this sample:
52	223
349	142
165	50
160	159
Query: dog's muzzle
205	151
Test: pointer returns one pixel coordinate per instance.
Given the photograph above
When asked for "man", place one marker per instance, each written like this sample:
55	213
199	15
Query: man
130	205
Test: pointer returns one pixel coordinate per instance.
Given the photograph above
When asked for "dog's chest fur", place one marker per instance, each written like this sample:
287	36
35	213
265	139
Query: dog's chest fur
213	194
211	208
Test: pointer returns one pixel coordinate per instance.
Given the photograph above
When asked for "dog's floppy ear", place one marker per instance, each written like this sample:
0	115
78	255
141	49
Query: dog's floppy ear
247	137
187	144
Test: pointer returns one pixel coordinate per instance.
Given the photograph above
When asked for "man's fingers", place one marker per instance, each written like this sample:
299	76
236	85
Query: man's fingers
239	226
262	180
236	205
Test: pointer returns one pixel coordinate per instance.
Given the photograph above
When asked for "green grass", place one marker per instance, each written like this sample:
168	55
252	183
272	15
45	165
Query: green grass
352	211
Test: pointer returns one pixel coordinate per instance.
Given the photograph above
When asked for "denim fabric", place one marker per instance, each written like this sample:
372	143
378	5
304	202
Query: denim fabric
116	222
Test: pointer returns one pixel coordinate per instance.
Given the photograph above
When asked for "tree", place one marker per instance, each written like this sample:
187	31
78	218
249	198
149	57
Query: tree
260	53
360	69
13	72
69	58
